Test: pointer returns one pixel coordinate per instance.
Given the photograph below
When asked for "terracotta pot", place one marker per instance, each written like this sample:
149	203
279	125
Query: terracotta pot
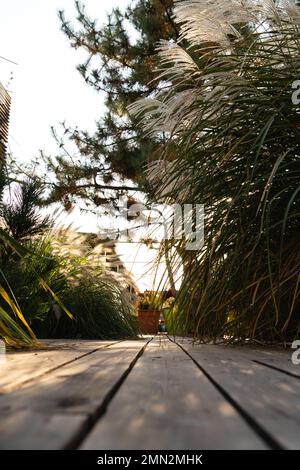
148	321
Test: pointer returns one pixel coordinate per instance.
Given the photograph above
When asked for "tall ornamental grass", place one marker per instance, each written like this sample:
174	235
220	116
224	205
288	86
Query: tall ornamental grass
230	139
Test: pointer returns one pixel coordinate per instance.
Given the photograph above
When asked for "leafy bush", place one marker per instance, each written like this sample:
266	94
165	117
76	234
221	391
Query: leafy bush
99	312
20	221
22	276
51	293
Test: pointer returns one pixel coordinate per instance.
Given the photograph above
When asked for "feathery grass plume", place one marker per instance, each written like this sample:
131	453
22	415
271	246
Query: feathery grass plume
97	300
230	139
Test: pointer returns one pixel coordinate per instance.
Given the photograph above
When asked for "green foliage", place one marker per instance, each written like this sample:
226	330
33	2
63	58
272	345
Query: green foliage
50	294
23	274
234	146
150	301
99	309
120	61
14	326
96	303
21	216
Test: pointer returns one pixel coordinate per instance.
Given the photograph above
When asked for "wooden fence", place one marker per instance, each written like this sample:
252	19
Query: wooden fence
4	119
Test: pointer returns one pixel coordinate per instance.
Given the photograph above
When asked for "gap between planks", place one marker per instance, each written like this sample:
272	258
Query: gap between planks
166	402
48	416
35	363
266	395
58	409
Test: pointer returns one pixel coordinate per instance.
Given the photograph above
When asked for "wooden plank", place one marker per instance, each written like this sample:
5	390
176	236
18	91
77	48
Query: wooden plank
276	357
270	397
21	367
166	402
78	392
30	425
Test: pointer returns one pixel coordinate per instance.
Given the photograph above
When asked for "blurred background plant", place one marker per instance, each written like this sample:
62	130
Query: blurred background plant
229	135
150	301
43	291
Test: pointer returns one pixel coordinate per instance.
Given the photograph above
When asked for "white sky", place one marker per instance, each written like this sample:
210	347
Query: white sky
47	89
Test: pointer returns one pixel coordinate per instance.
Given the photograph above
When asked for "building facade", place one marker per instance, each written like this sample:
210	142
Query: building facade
4	119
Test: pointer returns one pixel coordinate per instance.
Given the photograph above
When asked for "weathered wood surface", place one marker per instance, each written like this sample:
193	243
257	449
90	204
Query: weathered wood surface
278	357
168	403
271	398
22	367
141	394
77	391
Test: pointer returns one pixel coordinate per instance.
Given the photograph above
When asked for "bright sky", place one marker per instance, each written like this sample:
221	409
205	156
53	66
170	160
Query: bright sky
47	89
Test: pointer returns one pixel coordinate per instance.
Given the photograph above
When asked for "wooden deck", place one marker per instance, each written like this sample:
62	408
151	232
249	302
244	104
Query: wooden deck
149	394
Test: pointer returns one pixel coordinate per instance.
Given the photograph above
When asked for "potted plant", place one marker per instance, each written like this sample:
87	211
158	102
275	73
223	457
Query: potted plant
149	310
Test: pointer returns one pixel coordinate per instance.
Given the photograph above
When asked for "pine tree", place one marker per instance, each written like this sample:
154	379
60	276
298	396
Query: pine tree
21	216
120	61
